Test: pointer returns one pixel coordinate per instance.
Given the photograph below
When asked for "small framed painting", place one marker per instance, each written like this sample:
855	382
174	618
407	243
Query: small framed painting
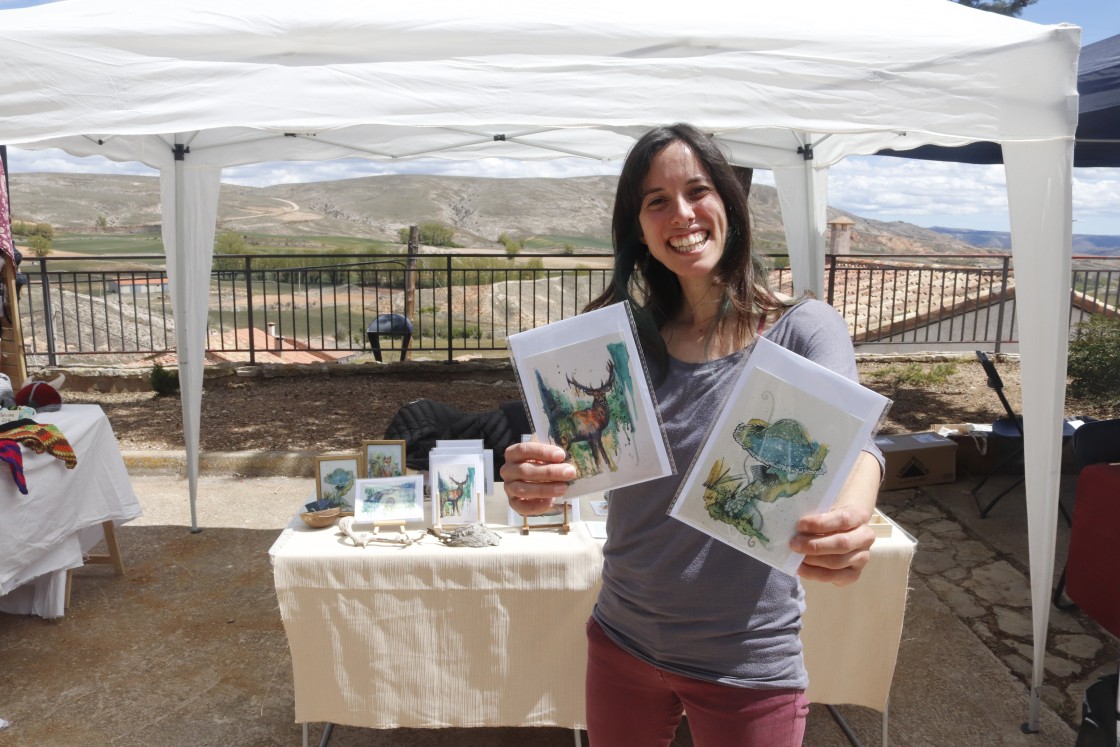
390	499
383	458
335	475
457	483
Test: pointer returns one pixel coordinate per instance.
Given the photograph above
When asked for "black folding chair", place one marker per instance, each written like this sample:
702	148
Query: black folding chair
1009	429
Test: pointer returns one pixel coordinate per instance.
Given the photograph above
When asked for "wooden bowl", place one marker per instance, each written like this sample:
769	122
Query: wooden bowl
321	519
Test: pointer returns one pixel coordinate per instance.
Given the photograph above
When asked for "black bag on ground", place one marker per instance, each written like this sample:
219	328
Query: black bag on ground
423	422
1098	714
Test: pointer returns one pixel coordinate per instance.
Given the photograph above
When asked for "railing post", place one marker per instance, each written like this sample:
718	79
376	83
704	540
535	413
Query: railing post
831	261
249	309
1002	303
410	279
450	316
52	358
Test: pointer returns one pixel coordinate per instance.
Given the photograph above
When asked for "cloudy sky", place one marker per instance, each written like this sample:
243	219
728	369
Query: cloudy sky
922	192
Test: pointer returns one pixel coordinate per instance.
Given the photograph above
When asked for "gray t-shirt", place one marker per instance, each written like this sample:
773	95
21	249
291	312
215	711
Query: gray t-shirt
677	598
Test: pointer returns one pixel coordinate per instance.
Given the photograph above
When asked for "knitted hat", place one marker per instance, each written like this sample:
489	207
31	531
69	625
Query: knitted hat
39	395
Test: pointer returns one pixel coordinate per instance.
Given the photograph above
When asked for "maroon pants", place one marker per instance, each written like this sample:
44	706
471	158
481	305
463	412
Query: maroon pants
633	704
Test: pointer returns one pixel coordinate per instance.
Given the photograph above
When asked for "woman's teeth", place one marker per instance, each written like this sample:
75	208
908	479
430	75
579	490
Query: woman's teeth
688	243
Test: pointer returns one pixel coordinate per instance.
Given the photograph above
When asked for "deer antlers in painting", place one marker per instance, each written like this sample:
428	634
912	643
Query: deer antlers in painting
587	425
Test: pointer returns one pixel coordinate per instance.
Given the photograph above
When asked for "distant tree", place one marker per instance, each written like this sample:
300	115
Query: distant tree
25	228
432	234
1004	7
102	221
230	242
512	245
40	245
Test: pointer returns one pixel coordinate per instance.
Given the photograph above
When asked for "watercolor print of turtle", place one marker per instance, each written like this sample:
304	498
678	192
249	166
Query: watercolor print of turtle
781	460
590	418
340	482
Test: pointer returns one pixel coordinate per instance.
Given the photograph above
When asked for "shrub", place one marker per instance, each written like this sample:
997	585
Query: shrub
24	228
915	374
40	245
1094	359
164	382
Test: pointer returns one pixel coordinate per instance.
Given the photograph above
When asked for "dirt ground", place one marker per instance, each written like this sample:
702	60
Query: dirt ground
321	412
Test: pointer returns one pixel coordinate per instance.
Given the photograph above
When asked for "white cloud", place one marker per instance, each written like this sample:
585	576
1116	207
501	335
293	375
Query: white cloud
55	160
892	188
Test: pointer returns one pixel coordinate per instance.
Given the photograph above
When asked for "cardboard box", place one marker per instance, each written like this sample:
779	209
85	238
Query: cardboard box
979	451
914	459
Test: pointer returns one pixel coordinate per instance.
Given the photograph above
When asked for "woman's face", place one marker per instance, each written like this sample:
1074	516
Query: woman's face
682	217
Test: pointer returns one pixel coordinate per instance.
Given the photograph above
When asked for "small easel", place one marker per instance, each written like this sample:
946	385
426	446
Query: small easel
400	525
112	557
563	526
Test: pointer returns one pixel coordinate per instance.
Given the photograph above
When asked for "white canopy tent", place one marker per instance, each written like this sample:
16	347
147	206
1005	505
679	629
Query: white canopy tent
190	88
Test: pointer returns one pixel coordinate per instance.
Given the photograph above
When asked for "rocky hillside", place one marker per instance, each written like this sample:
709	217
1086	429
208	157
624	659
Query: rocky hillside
375	207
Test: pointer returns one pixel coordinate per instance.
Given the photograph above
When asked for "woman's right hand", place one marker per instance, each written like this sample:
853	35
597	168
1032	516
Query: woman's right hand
534	474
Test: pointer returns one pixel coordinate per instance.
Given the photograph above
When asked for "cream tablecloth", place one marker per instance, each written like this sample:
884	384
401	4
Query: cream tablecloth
46	532
430	636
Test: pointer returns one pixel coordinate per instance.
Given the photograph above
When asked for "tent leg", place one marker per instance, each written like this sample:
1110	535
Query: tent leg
1032	725
847	729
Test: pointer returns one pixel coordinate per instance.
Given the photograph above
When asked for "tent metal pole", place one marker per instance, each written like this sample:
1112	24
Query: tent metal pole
182	351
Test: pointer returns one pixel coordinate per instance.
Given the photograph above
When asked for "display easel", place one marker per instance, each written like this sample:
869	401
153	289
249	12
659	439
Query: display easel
563	526
111	557
11	333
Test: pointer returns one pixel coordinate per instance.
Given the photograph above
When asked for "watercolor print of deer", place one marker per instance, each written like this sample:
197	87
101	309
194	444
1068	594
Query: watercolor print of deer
454	494
590	430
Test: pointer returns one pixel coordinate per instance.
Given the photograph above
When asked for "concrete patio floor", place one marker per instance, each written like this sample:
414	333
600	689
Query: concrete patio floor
210	663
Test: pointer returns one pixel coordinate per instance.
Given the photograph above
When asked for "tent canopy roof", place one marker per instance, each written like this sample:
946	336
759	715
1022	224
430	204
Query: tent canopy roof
1098	125
247	81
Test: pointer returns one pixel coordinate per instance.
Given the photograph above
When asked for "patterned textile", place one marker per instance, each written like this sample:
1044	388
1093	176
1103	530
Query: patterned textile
40	437
7	248
11	454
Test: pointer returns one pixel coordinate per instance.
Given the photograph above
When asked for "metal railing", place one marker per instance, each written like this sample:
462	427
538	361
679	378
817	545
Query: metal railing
301	308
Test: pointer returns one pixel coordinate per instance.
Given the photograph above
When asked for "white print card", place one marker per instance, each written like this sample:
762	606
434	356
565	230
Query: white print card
457	484
587	391
469	446
785	442
389	499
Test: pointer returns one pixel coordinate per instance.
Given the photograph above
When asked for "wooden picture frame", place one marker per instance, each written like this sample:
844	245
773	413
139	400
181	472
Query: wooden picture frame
335	479
383	459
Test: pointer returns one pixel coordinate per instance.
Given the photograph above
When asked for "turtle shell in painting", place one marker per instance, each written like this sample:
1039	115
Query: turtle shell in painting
784	445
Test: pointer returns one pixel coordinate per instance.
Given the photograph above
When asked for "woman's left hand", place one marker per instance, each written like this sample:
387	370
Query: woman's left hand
837	543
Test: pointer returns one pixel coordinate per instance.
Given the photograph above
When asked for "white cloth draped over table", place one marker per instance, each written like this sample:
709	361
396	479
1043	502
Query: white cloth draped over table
46	532
431	636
